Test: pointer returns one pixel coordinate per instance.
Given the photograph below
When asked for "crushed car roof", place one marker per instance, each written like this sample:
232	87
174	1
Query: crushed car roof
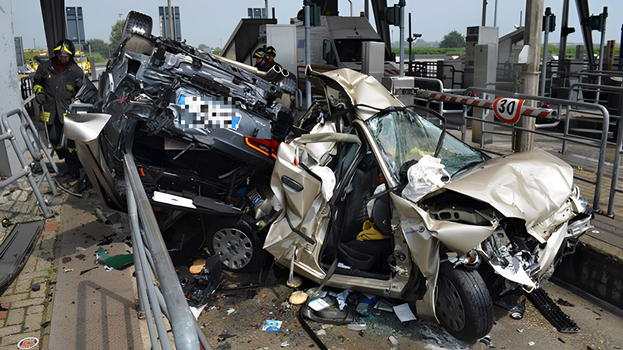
363	89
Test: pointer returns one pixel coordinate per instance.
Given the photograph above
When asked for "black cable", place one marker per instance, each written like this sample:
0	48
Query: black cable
309	330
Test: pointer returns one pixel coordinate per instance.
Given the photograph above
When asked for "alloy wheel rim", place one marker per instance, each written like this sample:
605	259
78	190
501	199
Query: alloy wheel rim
234	248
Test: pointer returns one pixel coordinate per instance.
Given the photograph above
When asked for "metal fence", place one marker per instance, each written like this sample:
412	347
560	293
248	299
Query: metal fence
563	107
159	290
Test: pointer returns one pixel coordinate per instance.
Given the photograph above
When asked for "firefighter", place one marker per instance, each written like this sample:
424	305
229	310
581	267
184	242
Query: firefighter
269	61
259	55
56	82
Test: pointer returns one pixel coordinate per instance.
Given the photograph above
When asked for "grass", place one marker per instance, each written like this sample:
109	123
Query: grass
458	51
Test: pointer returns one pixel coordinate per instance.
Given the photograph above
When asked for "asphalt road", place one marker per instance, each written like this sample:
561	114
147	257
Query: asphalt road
233	321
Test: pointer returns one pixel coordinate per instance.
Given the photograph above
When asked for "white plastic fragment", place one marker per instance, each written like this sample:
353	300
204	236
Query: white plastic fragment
321	332
424	177
230	311
357	326
531	343
393	340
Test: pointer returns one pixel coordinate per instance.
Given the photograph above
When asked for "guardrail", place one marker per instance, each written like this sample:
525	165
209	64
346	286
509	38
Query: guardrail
151	258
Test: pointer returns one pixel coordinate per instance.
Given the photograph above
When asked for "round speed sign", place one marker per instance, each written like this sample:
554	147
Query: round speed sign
507	109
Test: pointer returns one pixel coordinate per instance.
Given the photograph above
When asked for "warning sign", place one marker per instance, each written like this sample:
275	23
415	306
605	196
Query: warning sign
507	109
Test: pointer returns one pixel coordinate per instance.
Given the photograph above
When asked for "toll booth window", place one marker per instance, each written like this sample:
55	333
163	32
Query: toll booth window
349	50
328	54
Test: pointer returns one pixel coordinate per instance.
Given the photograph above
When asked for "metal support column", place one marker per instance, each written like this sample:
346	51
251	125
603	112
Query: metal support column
602	42
308	87
402	37
548	25
524	141
484	13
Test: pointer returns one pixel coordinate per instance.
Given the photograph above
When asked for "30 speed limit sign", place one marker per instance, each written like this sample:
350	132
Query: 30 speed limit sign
507	109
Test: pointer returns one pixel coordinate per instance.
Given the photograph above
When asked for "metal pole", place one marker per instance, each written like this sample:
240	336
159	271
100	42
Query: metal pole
484	13
563	32
621	51
366	8
495	14
521	18
402	38
548	17
265	8
308	88
351	7
170	9
602	42
524	141
410	40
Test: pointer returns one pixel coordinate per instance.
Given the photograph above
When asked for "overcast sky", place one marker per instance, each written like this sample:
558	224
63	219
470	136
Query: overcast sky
211	22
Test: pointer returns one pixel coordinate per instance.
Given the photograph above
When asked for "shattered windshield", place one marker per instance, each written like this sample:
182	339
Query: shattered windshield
403	135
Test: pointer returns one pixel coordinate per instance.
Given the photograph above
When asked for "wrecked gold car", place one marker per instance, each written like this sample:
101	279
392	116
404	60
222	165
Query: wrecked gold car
491	226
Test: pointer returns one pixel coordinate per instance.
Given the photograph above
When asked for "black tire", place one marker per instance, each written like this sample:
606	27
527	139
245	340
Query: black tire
246	253
463	304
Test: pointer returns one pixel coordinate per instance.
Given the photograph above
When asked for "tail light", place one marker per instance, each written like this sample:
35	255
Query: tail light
264	146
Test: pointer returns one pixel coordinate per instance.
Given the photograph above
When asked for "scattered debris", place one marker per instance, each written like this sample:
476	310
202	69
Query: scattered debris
341	298
486	340
363	309
199	288
531	343
230	311
80	249
285	344
101	217
87	270
28	343
45	324
357	326
6	222
318	304
561	340
294	282
519	330
80	256
404	313
393	340
271	326
298	297
224	336
66	259
65	269
197	266
321	332
35	287
518	310
117	262
563	302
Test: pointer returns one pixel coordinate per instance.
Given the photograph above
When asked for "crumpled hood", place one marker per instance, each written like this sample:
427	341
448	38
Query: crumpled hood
529	185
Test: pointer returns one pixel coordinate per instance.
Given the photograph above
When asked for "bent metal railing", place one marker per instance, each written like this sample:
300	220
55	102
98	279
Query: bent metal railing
163	295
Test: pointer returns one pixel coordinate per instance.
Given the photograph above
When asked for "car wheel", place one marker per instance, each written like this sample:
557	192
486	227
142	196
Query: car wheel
238	247
463	304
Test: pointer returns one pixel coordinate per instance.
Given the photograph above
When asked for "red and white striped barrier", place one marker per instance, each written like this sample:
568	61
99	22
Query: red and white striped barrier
506	109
